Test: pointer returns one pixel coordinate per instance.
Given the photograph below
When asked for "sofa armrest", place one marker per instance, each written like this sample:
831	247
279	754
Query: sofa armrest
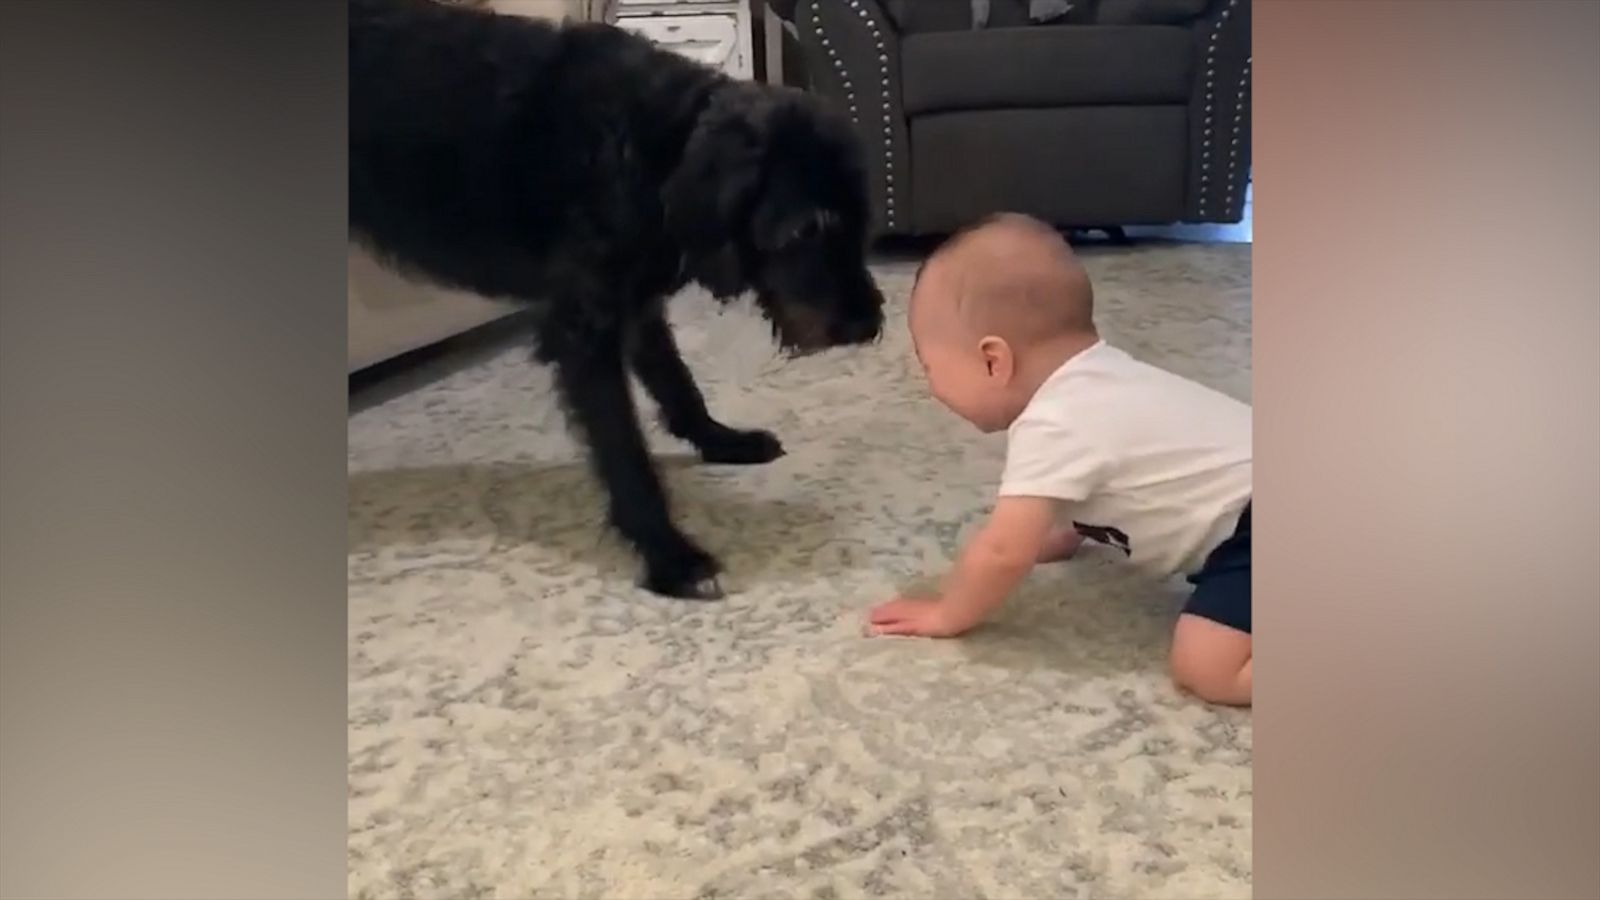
852	51
1219	119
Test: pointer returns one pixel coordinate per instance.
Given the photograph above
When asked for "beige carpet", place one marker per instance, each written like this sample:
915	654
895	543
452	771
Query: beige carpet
524	723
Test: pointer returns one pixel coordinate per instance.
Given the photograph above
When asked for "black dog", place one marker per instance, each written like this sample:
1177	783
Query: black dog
585	172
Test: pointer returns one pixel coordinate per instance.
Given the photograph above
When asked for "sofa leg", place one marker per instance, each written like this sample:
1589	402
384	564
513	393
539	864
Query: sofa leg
1114	234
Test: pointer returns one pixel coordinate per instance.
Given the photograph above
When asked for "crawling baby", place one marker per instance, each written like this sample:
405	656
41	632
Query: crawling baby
1100	446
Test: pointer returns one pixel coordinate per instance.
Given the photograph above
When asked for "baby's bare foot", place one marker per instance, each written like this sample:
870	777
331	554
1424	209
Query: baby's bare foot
1060	545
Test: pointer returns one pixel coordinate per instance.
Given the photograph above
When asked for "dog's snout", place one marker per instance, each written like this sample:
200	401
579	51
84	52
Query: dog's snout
859	331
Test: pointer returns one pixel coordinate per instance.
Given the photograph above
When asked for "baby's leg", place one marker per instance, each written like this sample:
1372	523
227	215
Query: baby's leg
1211	645
1211	660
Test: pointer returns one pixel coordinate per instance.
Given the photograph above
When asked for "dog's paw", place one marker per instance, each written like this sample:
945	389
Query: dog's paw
730	446
688	573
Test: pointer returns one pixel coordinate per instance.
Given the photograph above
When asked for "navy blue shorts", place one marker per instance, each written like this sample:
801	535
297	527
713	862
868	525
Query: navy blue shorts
1222	586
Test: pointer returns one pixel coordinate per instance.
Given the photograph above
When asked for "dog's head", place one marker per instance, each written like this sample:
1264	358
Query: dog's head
770	196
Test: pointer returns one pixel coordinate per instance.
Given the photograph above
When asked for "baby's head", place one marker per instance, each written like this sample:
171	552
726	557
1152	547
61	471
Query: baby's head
995	310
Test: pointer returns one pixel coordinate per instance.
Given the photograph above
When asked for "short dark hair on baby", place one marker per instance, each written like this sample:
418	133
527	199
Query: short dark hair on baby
1020	277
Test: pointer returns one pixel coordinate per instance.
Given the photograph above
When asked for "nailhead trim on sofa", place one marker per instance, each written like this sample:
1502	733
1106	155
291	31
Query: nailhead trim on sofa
850	97
1209	142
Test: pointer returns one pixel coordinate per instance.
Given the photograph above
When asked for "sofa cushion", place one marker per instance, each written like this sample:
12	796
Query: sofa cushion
911	17
1082	165
1045	66
1148	12
918	16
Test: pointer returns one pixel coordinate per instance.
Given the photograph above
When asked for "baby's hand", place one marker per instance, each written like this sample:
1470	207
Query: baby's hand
914	616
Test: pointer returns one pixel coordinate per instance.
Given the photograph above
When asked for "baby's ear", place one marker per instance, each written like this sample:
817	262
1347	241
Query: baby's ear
997	357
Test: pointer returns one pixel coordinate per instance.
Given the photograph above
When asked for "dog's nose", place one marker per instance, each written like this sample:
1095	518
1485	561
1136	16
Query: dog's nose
857	331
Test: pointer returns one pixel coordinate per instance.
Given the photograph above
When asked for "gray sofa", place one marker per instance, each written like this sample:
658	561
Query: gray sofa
1119	112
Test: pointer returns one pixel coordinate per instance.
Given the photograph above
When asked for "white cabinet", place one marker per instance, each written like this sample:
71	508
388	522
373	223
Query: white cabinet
556	10
718	33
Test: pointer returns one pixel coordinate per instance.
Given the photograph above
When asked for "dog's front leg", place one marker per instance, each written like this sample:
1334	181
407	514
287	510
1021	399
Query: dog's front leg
592	380
667	378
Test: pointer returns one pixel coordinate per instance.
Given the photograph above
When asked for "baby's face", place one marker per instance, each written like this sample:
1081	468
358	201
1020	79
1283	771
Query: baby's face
958	375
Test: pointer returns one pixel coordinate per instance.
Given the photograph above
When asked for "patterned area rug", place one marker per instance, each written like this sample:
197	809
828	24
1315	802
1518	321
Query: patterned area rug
525	723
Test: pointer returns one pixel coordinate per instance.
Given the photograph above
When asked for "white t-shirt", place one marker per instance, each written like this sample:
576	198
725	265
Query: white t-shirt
1144	460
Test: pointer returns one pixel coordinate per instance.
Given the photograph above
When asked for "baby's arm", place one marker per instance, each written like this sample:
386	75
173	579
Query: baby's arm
1062	543
991	565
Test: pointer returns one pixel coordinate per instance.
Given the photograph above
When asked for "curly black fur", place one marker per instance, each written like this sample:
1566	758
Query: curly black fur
582	171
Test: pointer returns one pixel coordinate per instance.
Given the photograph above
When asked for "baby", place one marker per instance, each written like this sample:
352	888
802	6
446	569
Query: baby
1118	451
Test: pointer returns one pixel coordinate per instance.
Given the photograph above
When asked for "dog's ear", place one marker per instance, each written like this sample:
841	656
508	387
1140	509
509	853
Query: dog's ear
708	199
